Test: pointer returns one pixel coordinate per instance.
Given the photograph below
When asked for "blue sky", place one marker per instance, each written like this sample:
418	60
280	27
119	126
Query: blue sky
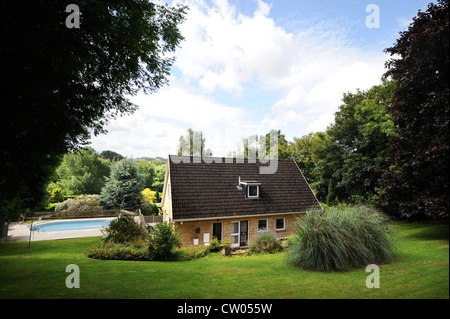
246	67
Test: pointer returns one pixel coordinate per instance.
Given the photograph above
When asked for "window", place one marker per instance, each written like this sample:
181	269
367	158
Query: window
252	191
262	225
206	239
279	224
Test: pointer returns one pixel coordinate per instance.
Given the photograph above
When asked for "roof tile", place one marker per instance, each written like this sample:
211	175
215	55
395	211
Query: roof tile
203	190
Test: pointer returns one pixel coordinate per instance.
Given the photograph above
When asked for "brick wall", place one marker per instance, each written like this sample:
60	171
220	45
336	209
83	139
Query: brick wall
188	229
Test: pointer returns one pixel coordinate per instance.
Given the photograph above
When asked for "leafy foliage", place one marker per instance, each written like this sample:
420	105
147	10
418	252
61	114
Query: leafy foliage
111	156
153	173
122	189
415	184
82	172
60	84
341	240
123	230
124	251
266	242
346	160
56	195
305	152
163	241
149	202
149	195
358	144
214	244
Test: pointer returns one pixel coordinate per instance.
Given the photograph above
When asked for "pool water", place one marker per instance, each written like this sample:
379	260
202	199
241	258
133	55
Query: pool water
72	225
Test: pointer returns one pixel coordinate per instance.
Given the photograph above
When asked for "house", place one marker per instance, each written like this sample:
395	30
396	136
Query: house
230	199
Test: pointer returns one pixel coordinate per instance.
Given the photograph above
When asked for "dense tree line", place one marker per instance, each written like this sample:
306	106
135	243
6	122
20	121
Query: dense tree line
415	184
343	163
389	145
125	183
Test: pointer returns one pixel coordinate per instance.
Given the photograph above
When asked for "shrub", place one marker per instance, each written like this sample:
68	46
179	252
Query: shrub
149	206
191	252
341	240
163	241
124	229
265	242
111	251
214	244
79	205
225	243
56	195
226	247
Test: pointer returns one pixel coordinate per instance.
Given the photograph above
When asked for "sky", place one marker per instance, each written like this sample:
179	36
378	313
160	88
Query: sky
246	67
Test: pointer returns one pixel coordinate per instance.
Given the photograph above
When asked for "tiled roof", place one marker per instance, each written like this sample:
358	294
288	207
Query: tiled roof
203	190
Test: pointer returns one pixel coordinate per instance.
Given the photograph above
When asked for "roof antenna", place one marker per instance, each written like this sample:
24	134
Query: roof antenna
239	185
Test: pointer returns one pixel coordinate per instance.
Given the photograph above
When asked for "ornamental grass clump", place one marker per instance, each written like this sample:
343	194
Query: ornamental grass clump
341	239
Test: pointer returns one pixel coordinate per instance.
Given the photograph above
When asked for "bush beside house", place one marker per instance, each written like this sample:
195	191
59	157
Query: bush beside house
341	239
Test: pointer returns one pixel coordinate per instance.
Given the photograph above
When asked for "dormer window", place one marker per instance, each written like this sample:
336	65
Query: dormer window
252	188
253	191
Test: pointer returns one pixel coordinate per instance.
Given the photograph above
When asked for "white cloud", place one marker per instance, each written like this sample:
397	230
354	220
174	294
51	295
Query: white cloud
191	109
225	50
244	56
317	87
154	129
151	138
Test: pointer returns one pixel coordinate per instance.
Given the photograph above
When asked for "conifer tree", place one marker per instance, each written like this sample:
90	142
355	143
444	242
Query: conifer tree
123	188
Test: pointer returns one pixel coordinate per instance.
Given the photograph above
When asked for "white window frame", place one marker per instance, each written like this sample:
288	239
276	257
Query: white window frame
206	239
248	191
284	224
267	226
238	234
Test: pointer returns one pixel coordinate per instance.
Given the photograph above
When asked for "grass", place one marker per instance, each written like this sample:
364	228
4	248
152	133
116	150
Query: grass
422	271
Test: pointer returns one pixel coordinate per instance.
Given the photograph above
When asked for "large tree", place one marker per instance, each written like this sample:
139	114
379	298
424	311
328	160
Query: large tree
416	182
351	154
153	173
82	172
307	152
62	83
193	143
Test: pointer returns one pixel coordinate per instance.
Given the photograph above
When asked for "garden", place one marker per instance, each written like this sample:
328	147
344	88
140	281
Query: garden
387	147
420	268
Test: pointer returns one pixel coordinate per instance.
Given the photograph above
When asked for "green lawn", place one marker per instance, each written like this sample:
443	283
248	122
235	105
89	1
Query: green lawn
422	271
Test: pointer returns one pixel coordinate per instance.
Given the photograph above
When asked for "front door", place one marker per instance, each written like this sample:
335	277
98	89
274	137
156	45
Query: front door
239	233
244	233
217	230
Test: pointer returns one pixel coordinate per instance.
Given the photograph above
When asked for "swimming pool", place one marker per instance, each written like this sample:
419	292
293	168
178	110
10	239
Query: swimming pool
65	225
